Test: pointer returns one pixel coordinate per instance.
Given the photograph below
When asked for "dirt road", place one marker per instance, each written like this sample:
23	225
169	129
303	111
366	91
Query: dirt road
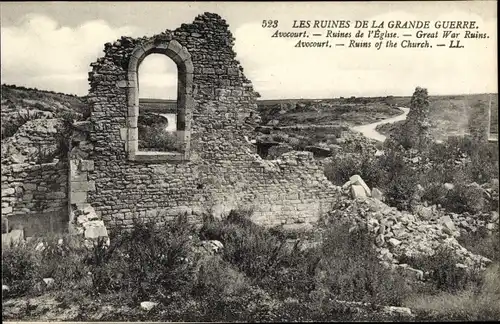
369	129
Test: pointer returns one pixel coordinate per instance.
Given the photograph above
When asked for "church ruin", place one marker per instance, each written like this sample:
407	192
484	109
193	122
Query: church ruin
216	168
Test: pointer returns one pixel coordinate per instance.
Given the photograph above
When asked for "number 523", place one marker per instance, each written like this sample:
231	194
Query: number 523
269	23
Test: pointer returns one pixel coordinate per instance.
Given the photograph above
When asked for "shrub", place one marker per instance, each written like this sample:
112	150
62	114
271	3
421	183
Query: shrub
402	188
443	272
263	256
62	258
216	278
482	243
251	248
464	198
157	138
158	257
470	304
340	170
350	270
20	269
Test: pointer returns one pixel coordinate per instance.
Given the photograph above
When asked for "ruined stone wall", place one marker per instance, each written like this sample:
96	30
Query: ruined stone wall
218	168
35	196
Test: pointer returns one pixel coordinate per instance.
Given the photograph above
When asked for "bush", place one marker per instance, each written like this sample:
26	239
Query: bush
487	245
470	305
340	170
251	248
157	138
263	255
20	269
155	260
350	270
464	198
62	258
443	272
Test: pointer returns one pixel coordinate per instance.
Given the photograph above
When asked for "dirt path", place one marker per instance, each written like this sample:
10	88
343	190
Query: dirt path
369	129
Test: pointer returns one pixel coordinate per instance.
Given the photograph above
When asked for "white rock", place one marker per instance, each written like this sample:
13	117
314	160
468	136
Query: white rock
448	223
377	194
357	180
449	186
5	288
147	305
358	191
40	246
393	310
346	185
394	242
494	216
49	282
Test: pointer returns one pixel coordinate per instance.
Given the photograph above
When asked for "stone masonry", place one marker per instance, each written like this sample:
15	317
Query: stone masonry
34	196
217	169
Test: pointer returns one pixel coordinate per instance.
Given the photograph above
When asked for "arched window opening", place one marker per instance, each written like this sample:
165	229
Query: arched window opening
157	120
171	140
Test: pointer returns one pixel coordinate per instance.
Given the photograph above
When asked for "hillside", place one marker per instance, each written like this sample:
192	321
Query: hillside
20	104
32	122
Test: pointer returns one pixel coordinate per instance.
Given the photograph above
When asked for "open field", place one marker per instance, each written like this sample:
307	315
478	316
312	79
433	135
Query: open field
454	115
338	111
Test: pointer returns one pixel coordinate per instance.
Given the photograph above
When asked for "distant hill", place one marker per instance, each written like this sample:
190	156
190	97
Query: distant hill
20	104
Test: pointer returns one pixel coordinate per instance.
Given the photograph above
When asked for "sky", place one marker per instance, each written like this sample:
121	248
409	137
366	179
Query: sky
50	45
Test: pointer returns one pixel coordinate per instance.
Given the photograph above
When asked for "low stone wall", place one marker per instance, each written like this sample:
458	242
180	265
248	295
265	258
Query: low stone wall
35	197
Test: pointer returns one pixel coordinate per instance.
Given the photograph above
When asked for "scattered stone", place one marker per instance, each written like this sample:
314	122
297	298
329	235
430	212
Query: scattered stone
394	242
379	240
377	194
147	305
212	246
448	223
449	186
49	282
40	247
358	191
400	311
425	213
494	216
357	180
5	288
346	185
14	237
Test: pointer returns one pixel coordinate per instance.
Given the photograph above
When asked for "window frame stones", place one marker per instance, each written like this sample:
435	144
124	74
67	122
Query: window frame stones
180	55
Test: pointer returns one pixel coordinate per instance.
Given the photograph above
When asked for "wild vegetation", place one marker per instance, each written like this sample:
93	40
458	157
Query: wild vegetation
153	135
257	276
268	274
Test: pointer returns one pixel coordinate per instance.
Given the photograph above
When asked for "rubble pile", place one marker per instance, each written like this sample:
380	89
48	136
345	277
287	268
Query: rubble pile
401	235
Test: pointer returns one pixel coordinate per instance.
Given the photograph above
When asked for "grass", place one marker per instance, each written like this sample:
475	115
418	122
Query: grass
257	276
471	304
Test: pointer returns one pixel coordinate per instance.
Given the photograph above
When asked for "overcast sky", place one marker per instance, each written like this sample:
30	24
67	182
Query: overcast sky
51	45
